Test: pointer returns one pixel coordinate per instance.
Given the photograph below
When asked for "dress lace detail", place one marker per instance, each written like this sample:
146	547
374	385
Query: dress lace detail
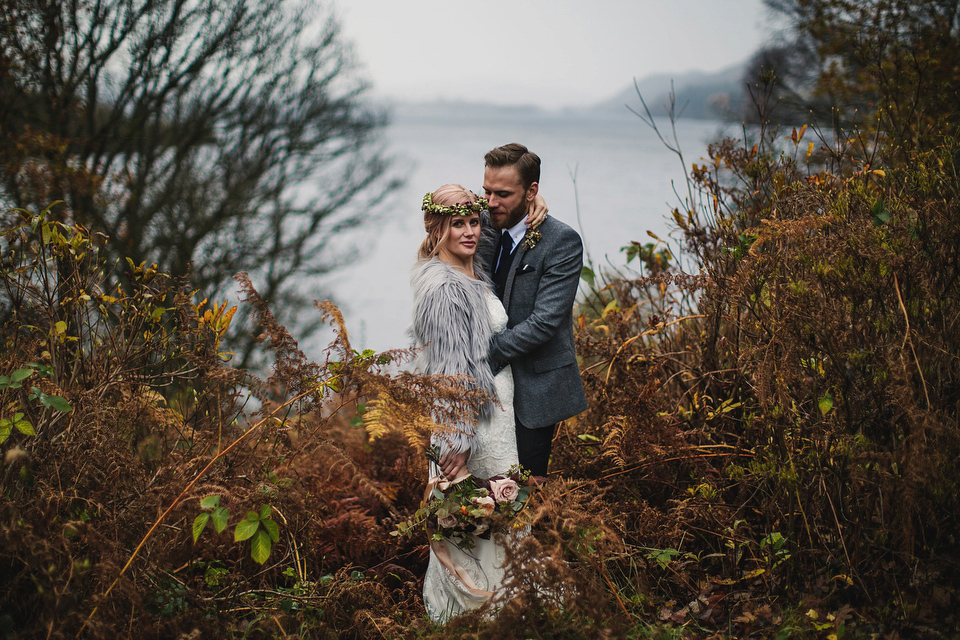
495	451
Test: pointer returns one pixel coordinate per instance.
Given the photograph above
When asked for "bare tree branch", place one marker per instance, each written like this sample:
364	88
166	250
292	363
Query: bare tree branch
209	136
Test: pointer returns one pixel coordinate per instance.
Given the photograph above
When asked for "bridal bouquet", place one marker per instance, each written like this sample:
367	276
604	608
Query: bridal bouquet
470	506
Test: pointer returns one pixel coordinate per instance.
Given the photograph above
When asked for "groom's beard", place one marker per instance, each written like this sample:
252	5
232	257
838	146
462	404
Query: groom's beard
513	216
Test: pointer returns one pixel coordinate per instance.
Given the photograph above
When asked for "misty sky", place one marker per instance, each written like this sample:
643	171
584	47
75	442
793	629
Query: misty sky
551	53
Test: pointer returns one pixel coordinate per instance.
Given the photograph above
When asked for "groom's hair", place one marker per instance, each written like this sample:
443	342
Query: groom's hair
515	154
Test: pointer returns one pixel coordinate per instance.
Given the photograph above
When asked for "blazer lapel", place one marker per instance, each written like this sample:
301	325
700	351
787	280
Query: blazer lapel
517	261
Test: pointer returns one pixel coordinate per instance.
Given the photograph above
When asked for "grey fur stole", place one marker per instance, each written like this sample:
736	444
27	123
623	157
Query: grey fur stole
451	325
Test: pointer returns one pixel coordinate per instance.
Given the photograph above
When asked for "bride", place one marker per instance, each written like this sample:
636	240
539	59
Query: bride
454	314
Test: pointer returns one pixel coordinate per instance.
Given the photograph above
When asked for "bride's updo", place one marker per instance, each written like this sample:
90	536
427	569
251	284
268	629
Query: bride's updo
437	225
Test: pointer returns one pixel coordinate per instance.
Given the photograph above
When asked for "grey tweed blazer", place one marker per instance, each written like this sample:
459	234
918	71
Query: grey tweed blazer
538	343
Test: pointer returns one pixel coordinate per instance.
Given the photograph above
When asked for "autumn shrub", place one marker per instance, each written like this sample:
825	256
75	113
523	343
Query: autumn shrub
151	488
784	423
839	308
769	445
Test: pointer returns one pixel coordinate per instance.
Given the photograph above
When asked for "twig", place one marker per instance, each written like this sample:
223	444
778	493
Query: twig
648	332
843	543
636	467
906	339
613	589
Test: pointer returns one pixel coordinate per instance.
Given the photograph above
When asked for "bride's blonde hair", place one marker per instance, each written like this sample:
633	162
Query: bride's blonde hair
437	225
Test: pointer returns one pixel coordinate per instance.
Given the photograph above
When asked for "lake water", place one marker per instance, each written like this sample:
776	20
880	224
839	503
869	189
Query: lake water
625	182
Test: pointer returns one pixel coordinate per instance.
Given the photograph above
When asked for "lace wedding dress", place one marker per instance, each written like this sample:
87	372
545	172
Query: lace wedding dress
495	451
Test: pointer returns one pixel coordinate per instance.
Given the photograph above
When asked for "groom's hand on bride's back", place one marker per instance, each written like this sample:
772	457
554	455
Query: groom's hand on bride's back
453	464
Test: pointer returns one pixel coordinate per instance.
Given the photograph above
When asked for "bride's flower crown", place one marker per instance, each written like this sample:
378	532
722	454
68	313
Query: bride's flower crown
478	205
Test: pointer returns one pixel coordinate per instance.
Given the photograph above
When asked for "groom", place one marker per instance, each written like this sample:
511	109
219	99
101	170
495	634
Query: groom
536	274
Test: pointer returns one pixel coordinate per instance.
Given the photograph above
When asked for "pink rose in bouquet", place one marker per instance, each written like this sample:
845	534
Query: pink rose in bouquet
447	522
471	507
504	490
485	504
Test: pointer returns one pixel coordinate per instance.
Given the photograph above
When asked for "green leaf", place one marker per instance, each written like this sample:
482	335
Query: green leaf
198	524
21	374
271	526
260	547
775	539
55	402
265	511
663	557
881	215
4	382
826	403
5	427
210	502
246	528
24	426
44	370
587	275
220	516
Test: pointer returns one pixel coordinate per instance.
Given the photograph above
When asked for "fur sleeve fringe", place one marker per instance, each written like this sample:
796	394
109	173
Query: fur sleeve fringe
451	325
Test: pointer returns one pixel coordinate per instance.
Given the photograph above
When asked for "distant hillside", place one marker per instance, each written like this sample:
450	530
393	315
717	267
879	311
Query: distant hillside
462	109
702	95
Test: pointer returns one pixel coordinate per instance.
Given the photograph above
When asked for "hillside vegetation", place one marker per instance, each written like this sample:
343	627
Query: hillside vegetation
770	449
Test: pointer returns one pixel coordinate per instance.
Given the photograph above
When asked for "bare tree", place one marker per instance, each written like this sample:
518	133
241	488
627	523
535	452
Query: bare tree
208	136
889	63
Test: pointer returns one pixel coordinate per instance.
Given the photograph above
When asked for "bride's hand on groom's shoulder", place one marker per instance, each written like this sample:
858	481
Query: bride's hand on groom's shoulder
452	464
536	212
